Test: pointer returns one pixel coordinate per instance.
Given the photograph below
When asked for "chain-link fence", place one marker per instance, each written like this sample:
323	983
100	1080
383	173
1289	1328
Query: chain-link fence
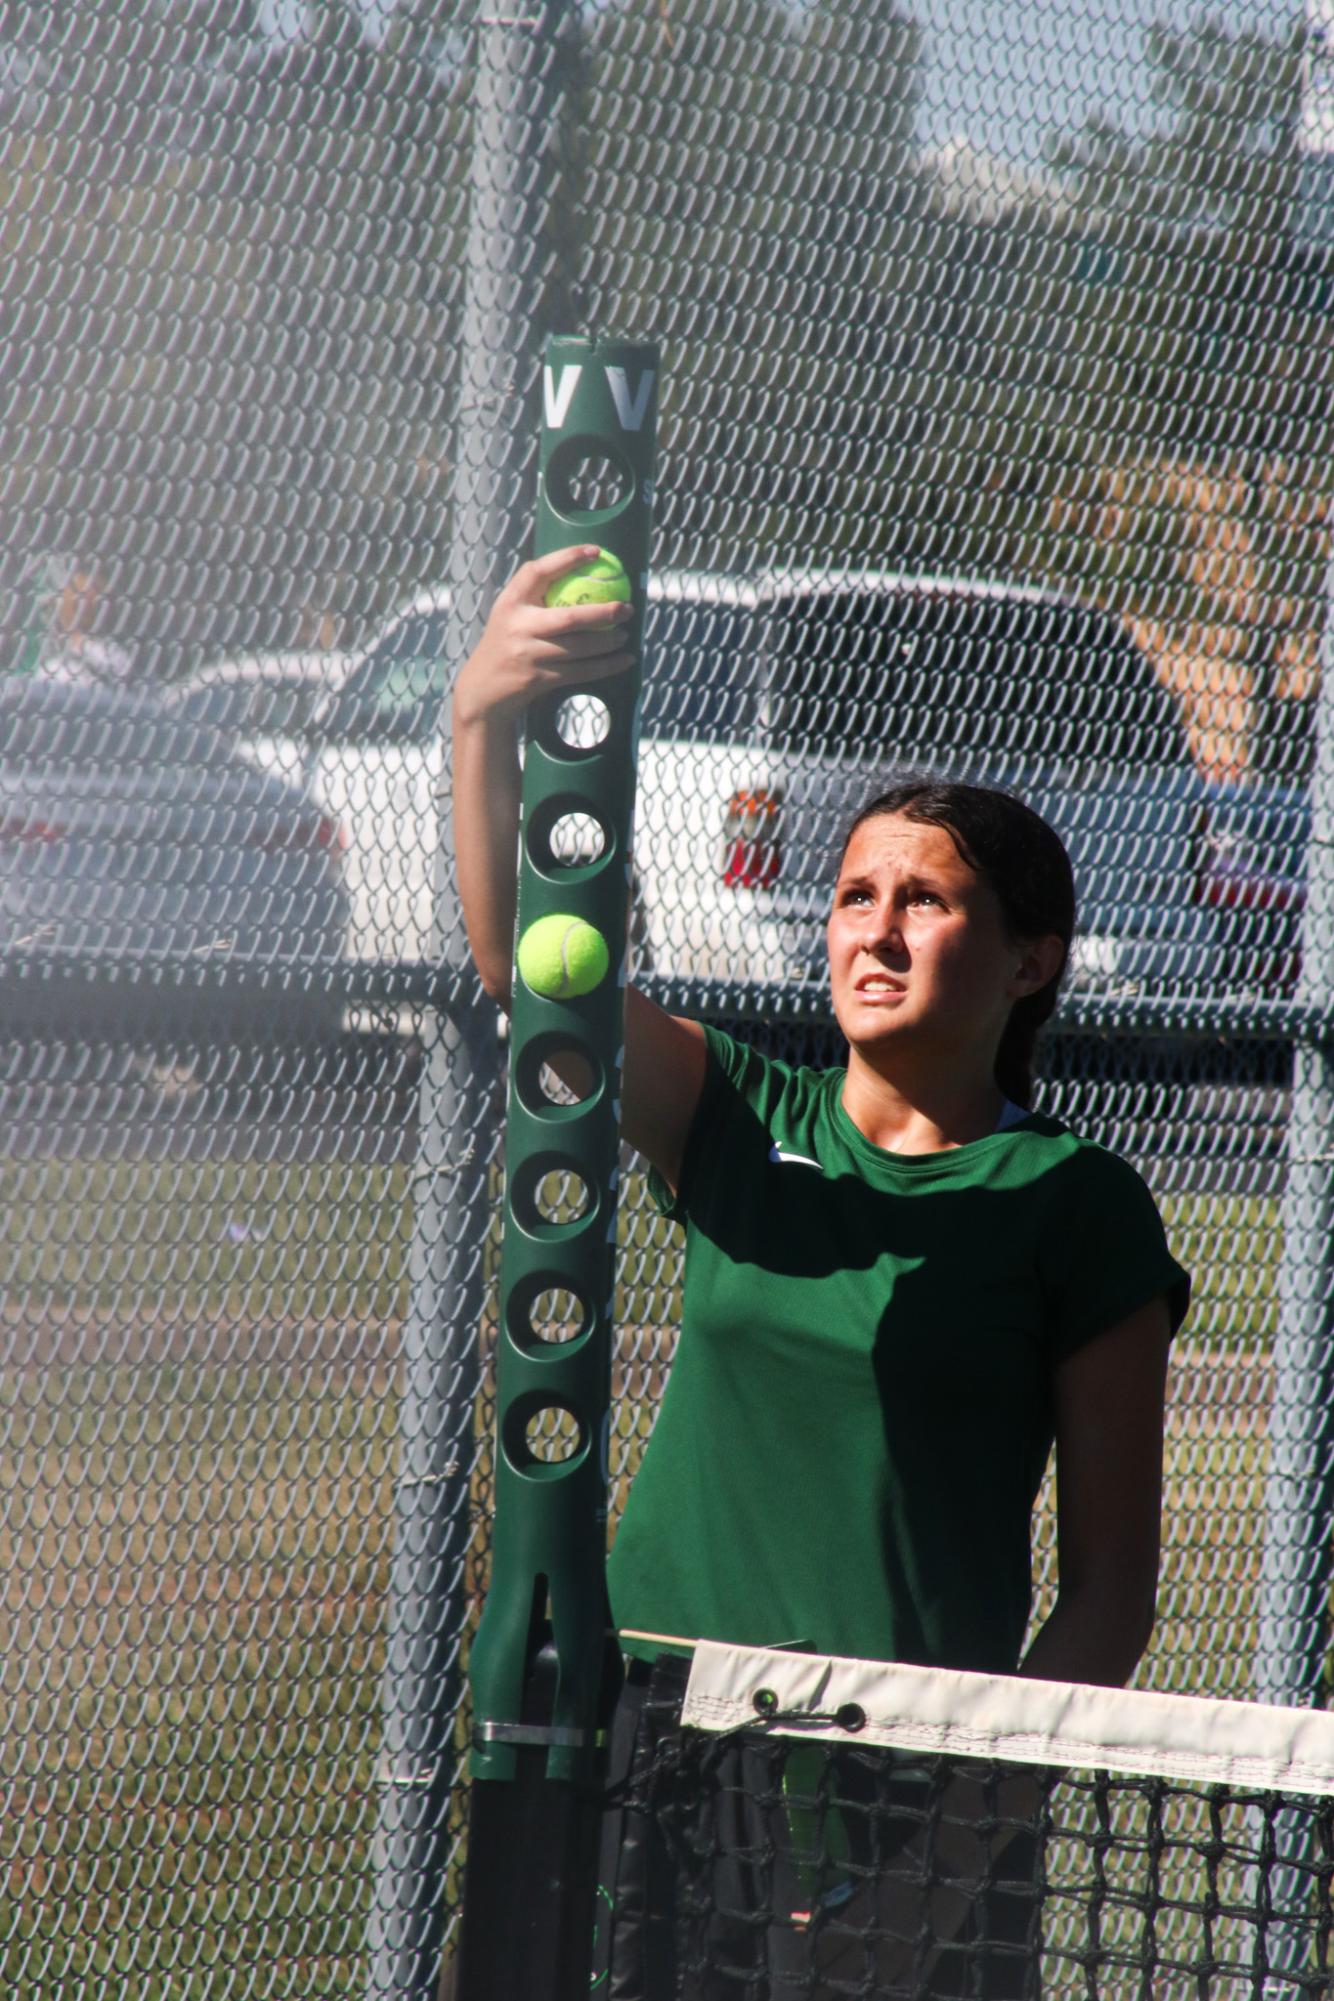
995	435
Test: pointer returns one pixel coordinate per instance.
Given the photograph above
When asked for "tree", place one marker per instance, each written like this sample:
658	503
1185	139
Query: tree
1224	163
748	172
1207	362
231	346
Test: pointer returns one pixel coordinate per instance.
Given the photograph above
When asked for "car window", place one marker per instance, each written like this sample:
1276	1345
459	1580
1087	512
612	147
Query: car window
407	668
252	707
699	670
219	708
948	677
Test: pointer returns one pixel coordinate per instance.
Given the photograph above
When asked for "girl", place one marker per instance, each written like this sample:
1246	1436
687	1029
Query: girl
902	1284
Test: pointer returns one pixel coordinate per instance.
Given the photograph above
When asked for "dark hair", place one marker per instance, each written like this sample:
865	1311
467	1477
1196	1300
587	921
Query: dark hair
1026	864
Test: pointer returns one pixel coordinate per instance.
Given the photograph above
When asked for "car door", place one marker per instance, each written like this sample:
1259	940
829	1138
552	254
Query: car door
377	769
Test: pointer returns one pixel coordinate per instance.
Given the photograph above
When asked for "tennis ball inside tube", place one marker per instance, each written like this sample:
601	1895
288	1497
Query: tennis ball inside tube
601	581
562	957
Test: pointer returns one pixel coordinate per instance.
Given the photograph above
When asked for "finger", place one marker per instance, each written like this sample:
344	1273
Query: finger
598	669
588	645
564	621
537	576
558	657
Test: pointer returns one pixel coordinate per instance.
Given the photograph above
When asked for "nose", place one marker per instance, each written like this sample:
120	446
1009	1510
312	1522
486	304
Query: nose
883	931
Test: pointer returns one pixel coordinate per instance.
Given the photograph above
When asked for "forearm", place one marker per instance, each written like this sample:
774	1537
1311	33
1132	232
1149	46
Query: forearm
486	838
528	649
1091	1636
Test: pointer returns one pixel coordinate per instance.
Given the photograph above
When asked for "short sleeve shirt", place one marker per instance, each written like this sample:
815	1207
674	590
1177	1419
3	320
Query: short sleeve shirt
860	1409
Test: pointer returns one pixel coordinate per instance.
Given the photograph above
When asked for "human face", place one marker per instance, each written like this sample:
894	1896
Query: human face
920	958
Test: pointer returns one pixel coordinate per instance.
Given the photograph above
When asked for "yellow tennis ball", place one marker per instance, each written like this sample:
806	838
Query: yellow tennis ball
601	581
562	957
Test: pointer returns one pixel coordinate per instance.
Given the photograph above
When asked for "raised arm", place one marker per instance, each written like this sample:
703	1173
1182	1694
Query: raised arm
529	650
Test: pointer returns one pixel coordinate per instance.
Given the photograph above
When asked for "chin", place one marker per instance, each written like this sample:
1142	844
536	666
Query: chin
878	1032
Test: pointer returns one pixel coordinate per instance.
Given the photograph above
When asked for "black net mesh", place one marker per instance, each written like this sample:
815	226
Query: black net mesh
762	1861
995	436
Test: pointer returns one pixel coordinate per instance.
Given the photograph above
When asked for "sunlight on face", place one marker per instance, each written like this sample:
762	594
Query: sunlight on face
917	940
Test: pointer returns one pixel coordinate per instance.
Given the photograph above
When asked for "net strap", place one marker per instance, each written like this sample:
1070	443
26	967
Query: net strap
1010	1719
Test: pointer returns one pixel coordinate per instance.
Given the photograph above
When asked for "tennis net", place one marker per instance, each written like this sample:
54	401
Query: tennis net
831	1828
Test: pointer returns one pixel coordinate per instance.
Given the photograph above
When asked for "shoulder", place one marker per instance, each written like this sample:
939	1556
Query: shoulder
749	1102
1078	1167
1081	1190
1096	1172
1103	1245
765	1082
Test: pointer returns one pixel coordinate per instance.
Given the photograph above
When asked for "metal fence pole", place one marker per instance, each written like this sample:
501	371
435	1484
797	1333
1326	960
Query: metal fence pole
515	104
1295	1577
1295	1581
1299	1501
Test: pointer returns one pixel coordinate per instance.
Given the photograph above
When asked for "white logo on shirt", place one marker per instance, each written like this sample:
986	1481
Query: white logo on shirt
784	1158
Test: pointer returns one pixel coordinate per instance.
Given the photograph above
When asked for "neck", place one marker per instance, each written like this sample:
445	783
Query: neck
920	1115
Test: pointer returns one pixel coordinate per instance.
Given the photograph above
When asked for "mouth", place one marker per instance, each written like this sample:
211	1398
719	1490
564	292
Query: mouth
879	987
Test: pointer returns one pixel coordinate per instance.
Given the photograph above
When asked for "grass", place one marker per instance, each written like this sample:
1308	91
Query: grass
193	1608
253	1240
198	1430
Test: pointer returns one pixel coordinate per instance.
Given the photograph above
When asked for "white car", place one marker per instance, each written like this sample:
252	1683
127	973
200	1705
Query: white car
350	729
774	709
374	763
264	701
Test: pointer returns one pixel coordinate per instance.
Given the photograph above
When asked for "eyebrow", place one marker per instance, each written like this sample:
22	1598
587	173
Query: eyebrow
919	880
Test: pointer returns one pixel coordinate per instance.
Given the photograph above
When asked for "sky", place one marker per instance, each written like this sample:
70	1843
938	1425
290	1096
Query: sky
1000	74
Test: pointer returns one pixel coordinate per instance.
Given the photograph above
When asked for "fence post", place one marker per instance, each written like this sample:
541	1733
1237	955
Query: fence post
1296	1573
1299	1500
518	78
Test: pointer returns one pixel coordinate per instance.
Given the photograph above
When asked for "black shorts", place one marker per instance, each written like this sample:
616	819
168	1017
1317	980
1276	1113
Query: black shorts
753	1867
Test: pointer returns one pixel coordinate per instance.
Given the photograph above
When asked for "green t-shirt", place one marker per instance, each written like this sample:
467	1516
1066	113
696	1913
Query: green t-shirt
860	1409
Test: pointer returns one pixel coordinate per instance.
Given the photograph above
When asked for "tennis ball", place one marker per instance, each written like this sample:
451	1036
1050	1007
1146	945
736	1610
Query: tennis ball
601	581
562	957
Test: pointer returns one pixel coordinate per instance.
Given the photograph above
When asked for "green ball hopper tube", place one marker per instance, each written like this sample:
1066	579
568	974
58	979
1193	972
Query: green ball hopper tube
549	1551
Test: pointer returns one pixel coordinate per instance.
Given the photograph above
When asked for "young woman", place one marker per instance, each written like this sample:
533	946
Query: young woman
902	1284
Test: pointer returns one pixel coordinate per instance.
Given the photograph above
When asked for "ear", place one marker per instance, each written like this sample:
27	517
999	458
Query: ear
1040	960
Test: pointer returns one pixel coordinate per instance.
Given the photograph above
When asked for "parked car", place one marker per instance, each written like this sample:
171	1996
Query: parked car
772	709
265	701
374	763
773	706
130	837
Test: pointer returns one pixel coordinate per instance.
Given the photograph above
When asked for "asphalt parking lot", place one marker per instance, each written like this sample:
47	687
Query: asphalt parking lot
358	1101
354	1102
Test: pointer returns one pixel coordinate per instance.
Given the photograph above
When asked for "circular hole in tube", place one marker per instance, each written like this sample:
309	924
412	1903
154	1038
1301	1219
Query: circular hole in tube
583	722
541	1085
552	1435
586	481
560	1092
549	1197
556	1316
561	1196
576	840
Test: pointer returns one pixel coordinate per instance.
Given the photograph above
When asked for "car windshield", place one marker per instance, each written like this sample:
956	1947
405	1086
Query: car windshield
699	670
261	708
406	669
943	676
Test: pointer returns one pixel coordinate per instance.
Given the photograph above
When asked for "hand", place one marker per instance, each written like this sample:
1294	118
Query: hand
528	649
